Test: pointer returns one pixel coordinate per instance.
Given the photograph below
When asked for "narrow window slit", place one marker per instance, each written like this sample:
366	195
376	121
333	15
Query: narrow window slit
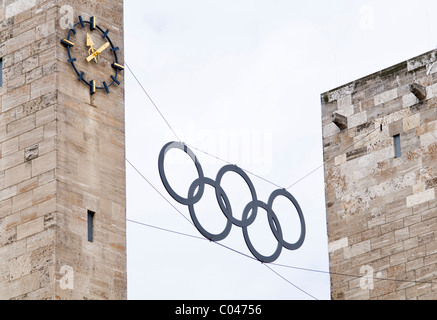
397	145
90	225
1	72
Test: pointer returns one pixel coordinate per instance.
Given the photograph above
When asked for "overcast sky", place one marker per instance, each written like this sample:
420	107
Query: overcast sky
241	79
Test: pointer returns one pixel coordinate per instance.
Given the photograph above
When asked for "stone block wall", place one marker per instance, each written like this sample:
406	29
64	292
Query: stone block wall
382	209
61	154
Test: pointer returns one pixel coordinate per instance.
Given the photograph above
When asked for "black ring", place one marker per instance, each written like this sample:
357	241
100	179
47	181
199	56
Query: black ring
228	211
178	198
206	234
277	231
259	256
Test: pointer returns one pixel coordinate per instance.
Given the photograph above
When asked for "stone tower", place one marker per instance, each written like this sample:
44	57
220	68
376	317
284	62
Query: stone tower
62	150
380	153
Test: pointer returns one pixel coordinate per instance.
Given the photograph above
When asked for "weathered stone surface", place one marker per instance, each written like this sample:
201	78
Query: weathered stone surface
339	120
418	90
421	197
31	152
381	210
356	153
18	6
337	245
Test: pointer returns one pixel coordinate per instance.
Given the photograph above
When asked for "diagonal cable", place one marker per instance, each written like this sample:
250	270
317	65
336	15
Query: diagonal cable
162	196
156	107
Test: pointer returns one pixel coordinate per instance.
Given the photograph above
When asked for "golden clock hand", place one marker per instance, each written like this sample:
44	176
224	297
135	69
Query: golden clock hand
102	48
89	41
98	52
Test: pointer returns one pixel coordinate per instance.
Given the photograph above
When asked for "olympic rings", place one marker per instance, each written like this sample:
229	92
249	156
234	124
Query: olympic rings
250	211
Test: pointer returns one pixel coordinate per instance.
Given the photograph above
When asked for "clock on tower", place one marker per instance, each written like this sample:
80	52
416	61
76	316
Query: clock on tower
89	34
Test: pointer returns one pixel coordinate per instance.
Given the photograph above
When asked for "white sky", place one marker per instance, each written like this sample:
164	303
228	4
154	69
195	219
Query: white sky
241	79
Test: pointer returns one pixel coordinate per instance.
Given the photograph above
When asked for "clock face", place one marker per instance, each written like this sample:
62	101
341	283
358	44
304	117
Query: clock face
92	55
